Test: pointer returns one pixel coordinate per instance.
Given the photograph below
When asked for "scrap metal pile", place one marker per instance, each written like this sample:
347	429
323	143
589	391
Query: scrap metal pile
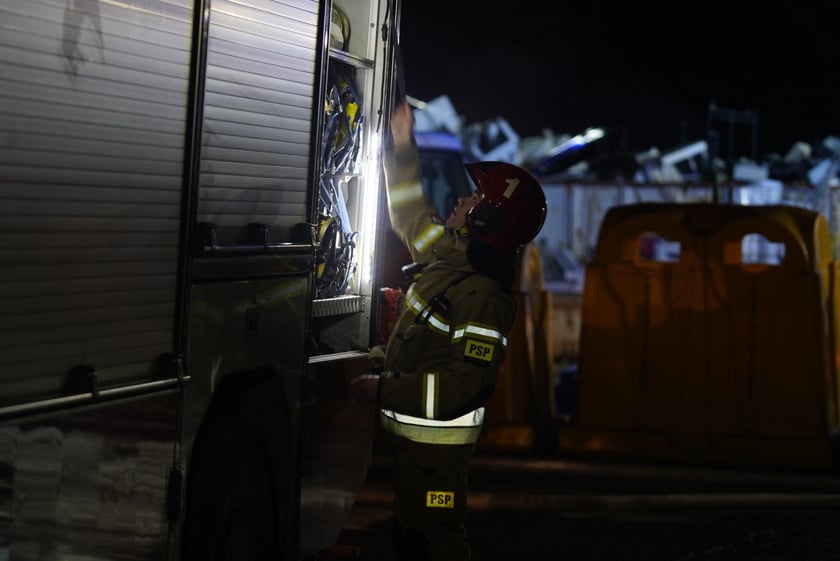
597	154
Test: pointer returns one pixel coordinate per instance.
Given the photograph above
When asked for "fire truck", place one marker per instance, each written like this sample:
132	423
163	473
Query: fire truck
190	228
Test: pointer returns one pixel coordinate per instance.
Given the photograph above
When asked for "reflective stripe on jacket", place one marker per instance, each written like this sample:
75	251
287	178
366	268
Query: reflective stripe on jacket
462	430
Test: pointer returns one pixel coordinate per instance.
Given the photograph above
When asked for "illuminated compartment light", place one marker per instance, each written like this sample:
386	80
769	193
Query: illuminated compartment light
369	211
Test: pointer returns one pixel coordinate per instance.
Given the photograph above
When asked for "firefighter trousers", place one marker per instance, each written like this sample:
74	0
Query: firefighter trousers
430	500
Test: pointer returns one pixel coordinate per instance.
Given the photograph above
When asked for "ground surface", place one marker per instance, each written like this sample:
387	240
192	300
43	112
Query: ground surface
522	509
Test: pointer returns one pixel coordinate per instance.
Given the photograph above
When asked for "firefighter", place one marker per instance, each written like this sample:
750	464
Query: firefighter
442	360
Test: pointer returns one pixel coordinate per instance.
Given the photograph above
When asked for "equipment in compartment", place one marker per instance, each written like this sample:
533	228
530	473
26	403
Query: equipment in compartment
339	29
341	146
336	242
343	121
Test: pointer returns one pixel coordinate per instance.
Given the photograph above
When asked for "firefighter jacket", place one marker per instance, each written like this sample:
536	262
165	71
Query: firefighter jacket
443	357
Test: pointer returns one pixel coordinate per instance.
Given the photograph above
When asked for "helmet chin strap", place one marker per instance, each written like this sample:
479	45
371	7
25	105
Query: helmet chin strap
460	232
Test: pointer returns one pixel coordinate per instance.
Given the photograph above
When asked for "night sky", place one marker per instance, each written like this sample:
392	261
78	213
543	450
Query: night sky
650	69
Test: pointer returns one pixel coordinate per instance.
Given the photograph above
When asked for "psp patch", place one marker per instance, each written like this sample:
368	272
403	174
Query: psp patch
440	499
479	351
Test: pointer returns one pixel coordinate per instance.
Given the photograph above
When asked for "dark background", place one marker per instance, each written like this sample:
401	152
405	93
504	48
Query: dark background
651	69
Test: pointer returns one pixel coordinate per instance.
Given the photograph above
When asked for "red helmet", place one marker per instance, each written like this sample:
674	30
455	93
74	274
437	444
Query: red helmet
512	211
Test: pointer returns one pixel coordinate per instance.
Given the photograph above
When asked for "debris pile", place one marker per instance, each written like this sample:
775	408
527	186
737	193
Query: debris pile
598	154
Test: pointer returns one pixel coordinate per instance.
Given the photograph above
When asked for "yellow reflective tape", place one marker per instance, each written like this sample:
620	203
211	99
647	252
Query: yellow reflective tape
463	430
418	308
428	236
484	332
404	193
432	435
440	499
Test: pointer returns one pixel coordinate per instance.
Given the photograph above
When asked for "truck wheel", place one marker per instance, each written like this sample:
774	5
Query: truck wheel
237	499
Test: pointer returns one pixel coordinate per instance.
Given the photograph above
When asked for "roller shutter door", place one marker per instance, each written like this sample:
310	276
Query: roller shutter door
93	100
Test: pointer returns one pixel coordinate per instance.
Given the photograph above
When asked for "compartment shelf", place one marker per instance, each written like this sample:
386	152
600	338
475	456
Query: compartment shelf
338	305
351	59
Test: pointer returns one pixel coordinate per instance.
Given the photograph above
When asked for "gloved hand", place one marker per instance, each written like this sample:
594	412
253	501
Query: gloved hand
402	125
376	356
365	387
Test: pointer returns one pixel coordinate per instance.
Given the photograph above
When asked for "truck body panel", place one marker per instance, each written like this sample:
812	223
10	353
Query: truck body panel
164	355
